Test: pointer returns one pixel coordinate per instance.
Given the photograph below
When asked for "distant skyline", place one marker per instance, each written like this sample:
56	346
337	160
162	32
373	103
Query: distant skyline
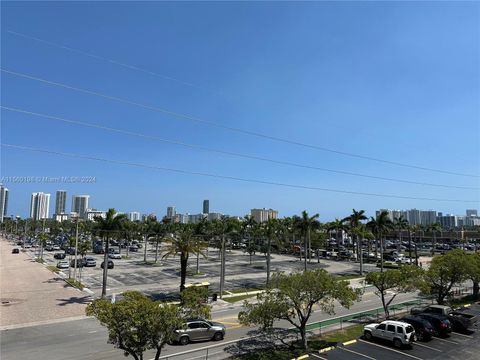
393	81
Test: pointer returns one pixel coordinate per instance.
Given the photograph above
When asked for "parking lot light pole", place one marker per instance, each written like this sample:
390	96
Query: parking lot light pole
76	252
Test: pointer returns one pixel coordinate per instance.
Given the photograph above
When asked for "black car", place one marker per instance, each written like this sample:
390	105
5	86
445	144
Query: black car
15	251
423	328
439	322
59	256
109	264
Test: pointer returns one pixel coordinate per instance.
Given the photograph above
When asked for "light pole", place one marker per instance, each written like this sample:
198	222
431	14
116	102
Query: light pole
76	252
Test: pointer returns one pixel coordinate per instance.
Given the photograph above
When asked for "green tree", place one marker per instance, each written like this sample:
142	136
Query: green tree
362	233
107	227
271	230
291	297
474	272
193	302
394	281
400	224
380	226
306	224
434	228
137	324
338	226
354	220
445	272
183	243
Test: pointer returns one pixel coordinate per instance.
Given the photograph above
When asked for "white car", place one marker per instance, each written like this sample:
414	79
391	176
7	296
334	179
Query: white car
114	256
62	265
399	332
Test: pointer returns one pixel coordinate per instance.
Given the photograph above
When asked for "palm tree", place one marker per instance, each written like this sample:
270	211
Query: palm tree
183	243
362	233
305	224
247	230
400	224
336	226
270	229
107	227
379	227
434	228
353	222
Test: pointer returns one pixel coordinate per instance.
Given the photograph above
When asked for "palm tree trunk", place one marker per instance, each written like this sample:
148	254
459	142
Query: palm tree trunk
268	260
145	249
361	258
197	271
183	270
156	251
381	254
222	268
105	269
434	241
305	249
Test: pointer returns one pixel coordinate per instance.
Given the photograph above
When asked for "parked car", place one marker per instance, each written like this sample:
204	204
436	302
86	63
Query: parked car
423	328
134	248
62	265
110	264
399	332
15	251
59	256
461	320
114	256
439	322
199	329
56	247
89	261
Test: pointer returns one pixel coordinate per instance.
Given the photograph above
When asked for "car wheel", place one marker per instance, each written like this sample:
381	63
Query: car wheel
397	343
218	336
368	335
184	340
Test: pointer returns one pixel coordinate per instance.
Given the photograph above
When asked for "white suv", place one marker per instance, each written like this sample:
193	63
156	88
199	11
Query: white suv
399	332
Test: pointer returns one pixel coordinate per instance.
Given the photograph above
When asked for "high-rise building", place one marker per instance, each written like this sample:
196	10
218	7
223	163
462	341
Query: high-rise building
39	206
214	216
447	221
206	206
171	212
3	202
261	215
60	201
428	217
472	212
80	204
134	216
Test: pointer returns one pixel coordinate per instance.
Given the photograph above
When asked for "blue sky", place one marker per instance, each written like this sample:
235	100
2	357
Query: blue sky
397	81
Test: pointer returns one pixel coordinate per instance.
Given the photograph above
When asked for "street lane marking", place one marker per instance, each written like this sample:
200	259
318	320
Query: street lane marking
326	349
426	346
448	341
350	342
385	347
357	353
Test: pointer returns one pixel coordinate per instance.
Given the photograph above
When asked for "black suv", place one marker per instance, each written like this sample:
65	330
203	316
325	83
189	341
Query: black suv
423	328
59	256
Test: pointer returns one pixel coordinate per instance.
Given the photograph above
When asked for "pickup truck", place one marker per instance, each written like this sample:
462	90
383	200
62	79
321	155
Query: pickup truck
461	319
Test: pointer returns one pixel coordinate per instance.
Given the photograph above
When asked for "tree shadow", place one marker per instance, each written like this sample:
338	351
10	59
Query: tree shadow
84	300
260	340
53	280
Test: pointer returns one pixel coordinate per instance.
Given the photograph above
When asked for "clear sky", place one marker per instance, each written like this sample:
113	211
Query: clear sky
395	81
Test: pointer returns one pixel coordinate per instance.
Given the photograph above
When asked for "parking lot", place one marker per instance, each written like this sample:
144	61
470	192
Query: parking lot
455	346
163	277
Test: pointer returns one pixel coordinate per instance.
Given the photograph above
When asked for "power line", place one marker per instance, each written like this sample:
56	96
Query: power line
225	177
186	117
98	57
251	157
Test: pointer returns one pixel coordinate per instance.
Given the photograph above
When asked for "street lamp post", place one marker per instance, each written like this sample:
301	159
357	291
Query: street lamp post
76	252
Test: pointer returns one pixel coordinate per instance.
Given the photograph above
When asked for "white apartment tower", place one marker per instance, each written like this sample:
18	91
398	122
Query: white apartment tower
60	202
80	204
3	202
39	206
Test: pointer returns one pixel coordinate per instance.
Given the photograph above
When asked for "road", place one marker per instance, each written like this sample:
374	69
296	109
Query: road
86	339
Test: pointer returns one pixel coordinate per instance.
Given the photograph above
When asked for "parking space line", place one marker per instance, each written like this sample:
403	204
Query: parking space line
357	353
460	334
318	357
428	347
448	341
387	348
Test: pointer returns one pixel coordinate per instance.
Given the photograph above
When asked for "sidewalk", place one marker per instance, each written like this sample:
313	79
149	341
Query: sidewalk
30	293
